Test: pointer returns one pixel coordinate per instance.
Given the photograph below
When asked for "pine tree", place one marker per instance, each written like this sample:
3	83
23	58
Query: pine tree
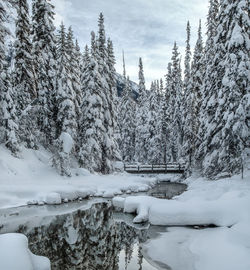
92	127
8	126
193	100
24	76
197	76
74	60
167	126
163	121
66	115
141	147
224	141
24	71
44	46
187	62
208	97
113	100
105	58
153	139
127	123
175	99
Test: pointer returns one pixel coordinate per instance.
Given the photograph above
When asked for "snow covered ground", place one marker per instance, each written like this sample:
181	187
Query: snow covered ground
15	255
31	180
225	203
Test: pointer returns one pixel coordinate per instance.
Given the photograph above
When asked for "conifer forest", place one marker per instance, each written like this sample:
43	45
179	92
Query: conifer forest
124	135
56	96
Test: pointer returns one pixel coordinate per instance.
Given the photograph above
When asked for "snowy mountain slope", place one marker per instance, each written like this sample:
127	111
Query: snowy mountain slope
121	85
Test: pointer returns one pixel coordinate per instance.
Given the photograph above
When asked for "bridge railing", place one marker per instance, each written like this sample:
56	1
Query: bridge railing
168	167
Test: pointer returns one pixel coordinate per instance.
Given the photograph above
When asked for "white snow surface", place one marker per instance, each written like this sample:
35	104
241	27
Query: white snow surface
225	203
15	255
30	179
67	141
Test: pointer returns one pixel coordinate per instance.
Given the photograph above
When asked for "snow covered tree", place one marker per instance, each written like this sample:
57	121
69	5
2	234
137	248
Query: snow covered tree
127	123
153	139
24	76
114	153
167	117
66	115
197	73
8	126
174	87
193	100
74	59
92	127
208	97
224	141
24	81
187	61
105	58
44	46
141	147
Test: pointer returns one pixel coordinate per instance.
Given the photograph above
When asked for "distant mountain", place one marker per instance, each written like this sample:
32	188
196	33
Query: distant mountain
121	84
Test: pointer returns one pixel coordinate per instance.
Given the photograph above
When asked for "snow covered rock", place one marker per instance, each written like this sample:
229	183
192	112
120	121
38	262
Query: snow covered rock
15	255
118	202
53	198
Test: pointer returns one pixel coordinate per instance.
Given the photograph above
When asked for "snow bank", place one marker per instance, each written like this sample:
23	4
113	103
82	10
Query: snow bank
217	248
223	203
32	180
15	255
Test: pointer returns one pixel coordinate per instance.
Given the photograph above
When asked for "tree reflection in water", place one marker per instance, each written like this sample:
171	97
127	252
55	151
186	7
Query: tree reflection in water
85	239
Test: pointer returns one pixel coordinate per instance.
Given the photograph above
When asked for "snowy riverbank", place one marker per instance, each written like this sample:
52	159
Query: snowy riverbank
16	245
31	180
224	203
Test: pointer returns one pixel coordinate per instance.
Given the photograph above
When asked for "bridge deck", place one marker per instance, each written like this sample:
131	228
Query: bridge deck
155	168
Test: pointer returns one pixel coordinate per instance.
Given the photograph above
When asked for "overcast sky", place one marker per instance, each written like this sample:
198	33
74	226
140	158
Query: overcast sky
146	28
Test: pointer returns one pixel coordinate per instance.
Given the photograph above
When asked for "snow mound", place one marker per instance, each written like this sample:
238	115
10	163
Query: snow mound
67	141
226	211
222	203
53	198
15	255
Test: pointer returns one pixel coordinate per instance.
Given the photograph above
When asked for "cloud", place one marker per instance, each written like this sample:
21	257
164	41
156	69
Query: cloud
146	28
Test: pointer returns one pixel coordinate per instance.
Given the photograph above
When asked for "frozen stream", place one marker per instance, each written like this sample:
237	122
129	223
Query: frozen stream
87	235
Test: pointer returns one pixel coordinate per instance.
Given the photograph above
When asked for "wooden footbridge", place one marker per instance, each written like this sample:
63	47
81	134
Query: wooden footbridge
155	168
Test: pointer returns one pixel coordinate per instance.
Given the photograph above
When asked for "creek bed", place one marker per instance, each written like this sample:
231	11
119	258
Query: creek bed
86	235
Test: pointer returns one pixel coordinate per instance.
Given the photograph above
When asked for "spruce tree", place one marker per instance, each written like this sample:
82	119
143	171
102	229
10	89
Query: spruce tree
66	115
8	126
225	142
175	94
187	62
208	97
127	123
105	58
74	60
24	76
141	147
92	127
153	139
44	46
24	82
193	100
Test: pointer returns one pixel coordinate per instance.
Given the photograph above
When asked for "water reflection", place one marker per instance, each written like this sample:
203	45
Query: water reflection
88	239
86	235
167	190
132	259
